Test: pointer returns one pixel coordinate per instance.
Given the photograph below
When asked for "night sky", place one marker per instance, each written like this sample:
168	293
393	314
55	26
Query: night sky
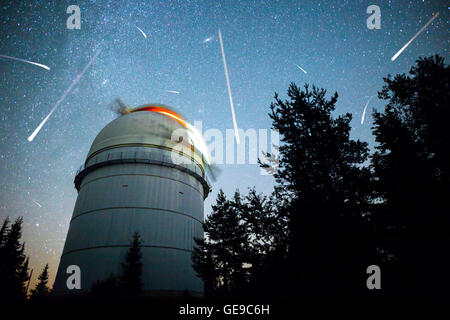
263	42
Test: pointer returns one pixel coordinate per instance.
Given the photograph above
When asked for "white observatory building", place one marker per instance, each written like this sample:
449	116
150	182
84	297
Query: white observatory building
139	178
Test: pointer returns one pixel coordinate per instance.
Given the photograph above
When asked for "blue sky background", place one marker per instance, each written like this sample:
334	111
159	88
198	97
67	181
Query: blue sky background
263	41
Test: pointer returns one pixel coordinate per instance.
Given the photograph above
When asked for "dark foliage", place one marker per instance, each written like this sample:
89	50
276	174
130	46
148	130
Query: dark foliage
106	289
41	291
320	170
131	279
13	262
242	239
128	285
412	180
220	258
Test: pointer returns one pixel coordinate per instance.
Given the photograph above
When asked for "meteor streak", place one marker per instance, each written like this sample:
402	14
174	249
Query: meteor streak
236	132
143	33
74	82
173	91
301	68
415	36
26	61
37	203
364	112
208	39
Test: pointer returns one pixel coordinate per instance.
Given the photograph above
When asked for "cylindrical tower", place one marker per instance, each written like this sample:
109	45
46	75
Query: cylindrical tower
138	178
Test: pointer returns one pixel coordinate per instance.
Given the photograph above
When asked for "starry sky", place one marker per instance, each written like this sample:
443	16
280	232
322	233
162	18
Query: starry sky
263	42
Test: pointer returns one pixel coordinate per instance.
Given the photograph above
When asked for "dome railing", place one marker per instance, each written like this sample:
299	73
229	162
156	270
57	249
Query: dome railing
145	157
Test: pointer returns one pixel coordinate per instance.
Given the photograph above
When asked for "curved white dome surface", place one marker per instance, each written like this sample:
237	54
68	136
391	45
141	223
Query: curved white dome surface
132	182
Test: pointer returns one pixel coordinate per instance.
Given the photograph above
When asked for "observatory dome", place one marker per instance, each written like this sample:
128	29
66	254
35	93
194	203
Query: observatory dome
147	125
144	173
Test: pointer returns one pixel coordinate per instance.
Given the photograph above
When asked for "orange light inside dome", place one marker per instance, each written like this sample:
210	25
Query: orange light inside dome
166	112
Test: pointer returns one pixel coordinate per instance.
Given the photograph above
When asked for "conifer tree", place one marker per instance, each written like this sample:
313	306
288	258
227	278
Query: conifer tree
320	171
3	231
23	276
3	257
205	265
412	180
223	259
131	279
14	264
41	291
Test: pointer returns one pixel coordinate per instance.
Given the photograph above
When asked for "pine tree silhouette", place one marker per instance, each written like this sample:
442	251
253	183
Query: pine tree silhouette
241	235
412	180
220	258
204	264
320	172
13	262
41	291
3	231
131	280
